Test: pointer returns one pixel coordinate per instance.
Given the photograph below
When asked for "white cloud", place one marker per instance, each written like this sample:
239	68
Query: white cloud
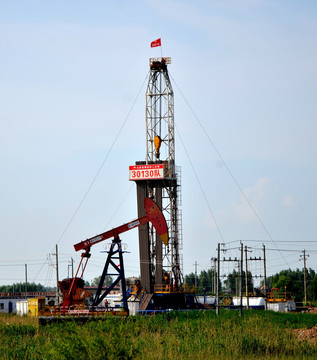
244	212
248	208
288	201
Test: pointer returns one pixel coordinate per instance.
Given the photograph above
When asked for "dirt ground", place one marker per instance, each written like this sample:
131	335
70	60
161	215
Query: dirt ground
313	309
309	334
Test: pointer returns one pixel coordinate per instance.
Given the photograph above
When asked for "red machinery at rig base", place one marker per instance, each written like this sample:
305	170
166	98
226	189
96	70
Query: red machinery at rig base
72	289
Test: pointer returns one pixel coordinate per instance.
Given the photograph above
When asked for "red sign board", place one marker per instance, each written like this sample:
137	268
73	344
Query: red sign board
146	172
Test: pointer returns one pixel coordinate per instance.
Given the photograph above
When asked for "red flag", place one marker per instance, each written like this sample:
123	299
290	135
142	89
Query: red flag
156	43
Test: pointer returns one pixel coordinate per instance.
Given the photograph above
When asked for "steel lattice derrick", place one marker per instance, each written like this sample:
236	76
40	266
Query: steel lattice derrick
160	115
160	123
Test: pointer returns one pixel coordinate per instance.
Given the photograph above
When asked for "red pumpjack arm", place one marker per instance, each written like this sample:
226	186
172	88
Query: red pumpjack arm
154	215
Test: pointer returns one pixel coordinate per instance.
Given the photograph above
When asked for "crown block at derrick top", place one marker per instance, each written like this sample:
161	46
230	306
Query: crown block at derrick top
165	60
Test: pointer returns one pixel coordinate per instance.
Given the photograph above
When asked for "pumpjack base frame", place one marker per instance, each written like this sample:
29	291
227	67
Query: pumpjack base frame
114	254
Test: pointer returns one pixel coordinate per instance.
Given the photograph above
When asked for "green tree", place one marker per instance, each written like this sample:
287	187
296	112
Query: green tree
108	281
312	290
190	279
293	281
20	287
205	280
233	280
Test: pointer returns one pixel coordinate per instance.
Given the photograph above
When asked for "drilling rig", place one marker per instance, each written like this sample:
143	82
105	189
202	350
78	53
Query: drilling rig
159	219
159	178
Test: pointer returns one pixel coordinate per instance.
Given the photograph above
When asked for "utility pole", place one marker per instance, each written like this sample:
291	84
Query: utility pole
241	274
71	265
304	256
213	274
305	283
264	260
235	285
195	274
246	275
26	277
218	276
56	259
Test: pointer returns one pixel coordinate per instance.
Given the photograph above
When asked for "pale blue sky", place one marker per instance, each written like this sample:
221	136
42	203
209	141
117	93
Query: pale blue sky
70	72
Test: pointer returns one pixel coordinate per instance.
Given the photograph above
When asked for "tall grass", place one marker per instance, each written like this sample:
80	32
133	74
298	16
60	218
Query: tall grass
176	335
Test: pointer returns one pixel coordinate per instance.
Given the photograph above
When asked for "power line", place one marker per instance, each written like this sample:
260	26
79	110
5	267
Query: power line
280	241
228	169
287	250
200	186
120	205
30	264
102	165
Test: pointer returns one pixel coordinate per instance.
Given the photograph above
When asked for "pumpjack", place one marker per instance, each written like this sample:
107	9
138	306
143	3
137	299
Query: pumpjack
72	289
74	304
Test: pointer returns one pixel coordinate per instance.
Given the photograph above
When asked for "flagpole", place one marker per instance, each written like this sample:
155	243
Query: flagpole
156	43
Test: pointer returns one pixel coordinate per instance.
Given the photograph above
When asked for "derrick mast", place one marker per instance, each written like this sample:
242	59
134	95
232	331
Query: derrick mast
160	114
159	178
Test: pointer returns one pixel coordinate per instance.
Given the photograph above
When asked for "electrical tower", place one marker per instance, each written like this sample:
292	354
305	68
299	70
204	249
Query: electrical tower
159	178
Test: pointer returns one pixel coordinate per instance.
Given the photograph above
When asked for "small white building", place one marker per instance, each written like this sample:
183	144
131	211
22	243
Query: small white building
133	307
9	301
282	306
9	306
255	302
22	307
207	300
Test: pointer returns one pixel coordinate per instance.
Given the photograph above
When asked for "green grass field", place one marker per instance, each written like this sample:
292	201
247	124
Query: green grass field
176	335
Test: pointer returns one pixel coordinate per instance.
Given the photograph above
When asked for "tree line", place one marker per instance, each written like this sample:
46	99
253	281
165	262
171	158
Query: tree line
33	287
20	287
289	280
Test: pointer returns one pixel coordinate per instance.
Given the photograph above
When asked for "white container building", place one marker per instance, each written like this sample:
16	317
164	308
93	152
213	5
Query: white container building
22	307
8	306
254	302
